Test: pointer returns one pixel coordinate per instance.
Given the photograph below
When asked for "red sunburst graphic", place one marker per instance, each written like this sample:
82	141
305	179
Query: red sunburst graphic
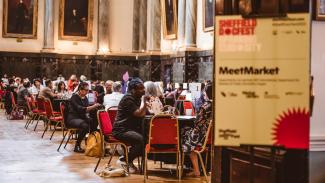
291	129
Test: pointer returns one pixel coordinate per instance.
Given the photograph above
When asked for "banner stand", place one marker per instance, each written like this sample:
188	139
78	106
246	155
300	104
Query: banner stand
261	79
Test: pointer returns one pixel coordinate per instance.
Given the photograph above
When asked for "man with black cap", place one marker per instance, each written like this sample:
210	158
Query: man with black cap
127	127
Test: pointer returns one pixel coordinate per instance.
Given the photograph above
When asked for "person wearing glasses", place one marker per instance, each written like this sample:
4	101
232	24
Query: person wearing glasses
78	116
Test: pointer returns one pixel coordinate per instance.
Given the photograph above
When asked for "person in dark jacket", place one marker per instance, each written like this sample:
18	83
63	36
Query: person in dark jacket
23	94
100	93
78	116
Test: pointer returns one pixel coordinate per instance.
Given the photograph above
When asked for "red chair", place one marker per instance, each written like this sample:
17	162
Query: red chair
182	97
32	114
13	101
70	131
40	110
2	105
106	130
188	105
112	112
2	93
163	130
36	111
14	106
203	149
51	117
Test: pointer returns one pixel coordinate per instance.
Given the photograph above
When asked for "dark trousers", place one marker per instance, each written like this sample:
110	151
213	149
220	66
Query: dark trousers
135	140
84	126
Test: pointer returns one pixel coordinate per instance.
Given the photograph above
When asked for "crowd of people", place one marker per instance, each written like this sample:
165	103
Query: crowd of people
133	98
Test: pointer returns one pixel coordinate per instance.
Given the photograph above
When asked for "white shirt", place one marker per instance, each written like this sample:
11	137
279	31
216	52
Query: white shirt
5	80
60	79
187	94
35	91
112	99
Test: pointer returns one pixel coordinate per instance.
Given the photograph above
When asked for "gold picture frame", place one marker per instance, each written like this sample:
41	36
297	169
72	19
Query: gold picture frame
169	18
320	10
208	15
76	20
20	19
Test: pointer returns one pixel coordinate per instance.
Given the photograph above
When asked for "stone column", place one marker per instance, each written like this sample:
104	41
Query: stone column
103	32
190	23
139	41
143	25
181	23
153	25
136	20
48	43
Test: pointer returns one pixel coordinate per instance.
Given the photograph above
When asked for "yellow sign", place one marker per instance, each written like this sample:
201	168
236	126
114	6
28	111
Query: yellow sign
262	81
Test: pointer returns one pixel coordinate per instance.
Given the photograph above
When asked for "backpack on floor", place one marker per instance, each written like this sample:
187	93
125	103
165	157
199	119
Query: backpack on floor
16	115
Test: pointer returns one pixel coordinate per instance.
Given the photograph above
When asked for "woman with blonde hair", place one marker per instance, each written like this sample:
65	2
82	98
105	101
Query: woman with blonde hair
160	91
155	106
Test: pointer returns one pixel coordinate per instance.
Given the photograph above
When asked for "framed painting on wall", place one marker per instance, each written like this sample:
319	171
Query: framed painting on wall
169	18
76	20
320	10
20	19
208	15
298	6
219	7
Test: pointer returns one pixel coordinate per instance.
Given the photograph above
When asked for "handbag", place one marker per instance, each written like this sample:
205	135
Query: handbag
94	145
113	172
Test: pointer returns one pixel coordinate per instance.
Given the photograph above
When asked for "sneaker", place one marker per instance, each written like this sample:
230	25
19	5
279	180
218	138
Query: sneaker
78	149
121	163
132	168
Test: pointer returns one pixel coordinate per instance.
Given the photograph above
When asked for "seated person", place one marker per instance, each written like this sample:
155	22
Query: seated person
18	83
99	89
160	91
11	88
200	101
47	92
109	87
127	127
37	87
78	115
155	106
114	98
169	88
72	83
23	94
175	94
61	90
194	136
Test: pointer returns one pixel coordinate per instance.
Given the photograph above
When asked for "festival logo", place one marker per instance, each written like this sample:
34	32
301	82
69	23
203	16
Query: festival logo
291	129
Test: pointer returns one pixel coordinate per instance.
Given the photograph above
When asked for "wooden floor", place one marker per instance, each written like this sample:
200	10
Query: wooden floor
26	157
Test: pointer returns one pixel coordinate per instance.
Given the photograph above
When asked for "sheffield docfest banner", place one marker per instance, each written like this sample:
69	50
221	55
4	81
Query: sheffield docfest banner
262	81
